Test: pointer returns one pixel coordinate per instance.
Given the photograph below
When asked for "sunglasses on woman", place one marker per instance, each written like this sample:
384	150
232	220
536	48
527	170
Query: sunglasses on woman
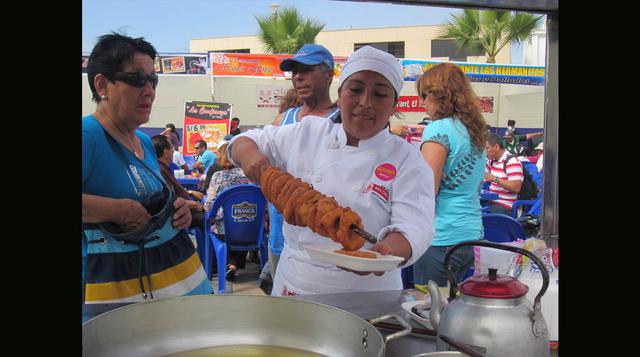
136	79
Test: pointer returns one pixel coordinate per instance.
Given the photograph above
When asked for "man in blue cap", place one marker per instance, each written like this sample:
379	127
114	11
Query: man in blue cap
312	73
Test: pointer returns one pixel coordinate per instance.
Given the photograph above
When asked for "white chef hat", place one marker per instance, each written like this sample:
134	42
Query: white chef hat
368	58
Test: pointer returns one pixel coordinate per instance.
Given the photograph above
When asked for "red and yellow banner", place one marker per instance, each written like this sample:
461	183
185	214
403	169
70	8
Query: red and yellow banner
258	65
246	64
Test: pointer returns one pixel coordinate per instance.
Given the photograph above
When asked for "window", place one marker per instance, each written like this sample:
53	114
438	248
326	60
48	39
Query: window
394	48
449	48
241	50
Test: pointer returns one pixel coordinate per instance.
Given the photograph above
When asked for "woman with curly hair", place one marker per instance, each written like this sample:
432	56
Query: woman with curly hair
453	145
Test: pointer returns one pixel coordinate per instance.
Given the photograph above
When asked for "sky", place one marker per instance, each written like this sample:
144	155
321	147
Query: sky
169	25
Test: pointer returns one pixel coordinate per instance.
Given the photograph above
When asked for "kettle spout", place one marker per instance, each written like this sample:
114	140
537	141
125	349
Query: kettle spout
437	304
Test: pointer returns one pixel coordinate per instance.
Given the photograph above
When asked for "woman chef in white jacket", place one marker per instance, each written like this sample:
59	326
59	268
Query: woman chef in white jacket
359	162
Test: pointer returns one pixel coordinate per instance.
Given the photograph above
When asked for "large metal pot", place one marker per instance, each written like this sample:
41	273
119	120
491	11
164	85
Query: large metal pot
170	326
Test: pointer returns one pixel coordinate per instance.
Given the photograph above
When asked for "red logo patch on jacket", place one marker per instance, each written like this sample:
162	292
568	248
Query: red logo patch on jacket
379	191
386	171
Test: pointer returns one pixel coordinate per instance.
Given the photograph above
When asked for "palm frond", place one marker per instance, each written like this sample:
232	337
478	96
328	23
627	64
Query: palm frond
286	31
488	30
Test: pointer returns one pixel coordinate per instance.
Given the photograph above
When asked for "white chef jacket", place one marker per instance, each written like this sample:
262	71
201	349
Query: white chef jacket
384	179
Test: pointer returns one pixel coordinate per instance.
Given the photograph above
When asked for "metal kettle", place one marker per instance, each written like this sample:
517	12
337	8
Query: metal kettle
492	314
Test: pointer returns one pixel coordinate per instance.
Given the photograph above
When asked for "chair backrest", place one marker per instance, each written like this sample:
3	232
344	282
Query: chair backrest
538	180
189	160
530	166
485	185
535	209
500	228
243	207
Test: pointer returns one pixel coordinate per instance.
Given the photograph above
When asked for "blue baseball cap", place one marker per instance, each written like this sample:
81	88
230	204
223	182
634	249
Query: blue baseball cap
310	54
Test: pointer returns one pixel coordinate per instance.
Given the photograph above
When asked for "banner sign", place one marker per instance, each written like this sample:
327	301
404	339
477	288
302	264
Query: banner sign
182	64
481	72
269	96
172	64
246	64
257	65
410	103
338	63
204	121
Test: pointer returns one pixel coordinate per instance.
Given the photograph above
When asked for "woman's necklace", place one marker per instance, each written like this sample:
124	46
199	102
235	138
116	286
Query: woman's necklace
121	136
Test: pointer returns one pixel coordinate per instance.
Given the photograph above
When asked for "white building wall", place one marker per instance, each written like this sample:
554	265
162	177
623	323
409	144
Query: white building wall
525	104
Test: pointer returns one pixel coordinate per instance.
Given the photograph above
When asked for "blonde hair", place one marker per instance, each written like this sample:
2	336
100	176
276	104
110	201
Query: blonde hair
223	158
450	88
289	100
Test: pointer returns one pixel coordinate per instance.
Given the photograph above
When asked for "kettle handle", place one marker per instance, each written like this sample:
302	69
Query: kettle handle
450	274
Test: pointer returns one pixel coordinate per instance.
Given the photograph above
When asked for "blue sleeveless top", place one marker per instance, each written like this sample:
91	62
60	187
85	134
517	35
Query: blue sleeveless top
291	115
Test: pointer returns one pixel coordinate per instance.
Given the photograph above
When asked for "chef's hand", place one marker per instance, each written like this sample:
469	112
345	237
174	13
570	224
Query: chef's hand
182	213
393	243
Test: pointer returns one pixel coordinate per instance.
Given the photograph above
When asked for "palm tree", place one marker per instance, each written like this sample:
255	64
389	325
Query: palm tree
489	30
285	31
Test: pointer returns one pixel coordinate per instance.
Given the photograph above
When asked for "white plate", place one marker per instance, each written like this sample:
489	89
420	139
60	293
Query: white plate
327	255
421	320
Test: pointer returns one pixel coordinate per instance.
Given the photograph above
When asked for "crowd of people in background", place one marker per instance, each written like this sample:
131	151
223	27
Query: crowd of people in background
429	204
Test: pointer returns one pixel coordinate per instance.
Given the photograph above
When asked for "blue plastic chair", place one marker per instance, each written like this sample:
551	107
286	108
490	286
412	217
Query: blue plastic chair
243	207
535	209
485	185
527	204
537	178
173	166
531	167
190	160
500	228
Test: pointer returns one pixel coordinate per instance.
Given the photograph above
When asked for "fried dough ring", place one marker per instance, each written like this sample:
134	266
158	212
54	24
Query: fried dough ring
275	188
324	206
305	201
291	206
349	239
302	205
267	178
283	195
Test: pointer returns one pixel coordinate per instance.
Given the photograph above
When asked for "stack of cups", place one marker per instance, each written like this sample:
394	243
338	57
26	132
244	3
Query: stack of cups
178	173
